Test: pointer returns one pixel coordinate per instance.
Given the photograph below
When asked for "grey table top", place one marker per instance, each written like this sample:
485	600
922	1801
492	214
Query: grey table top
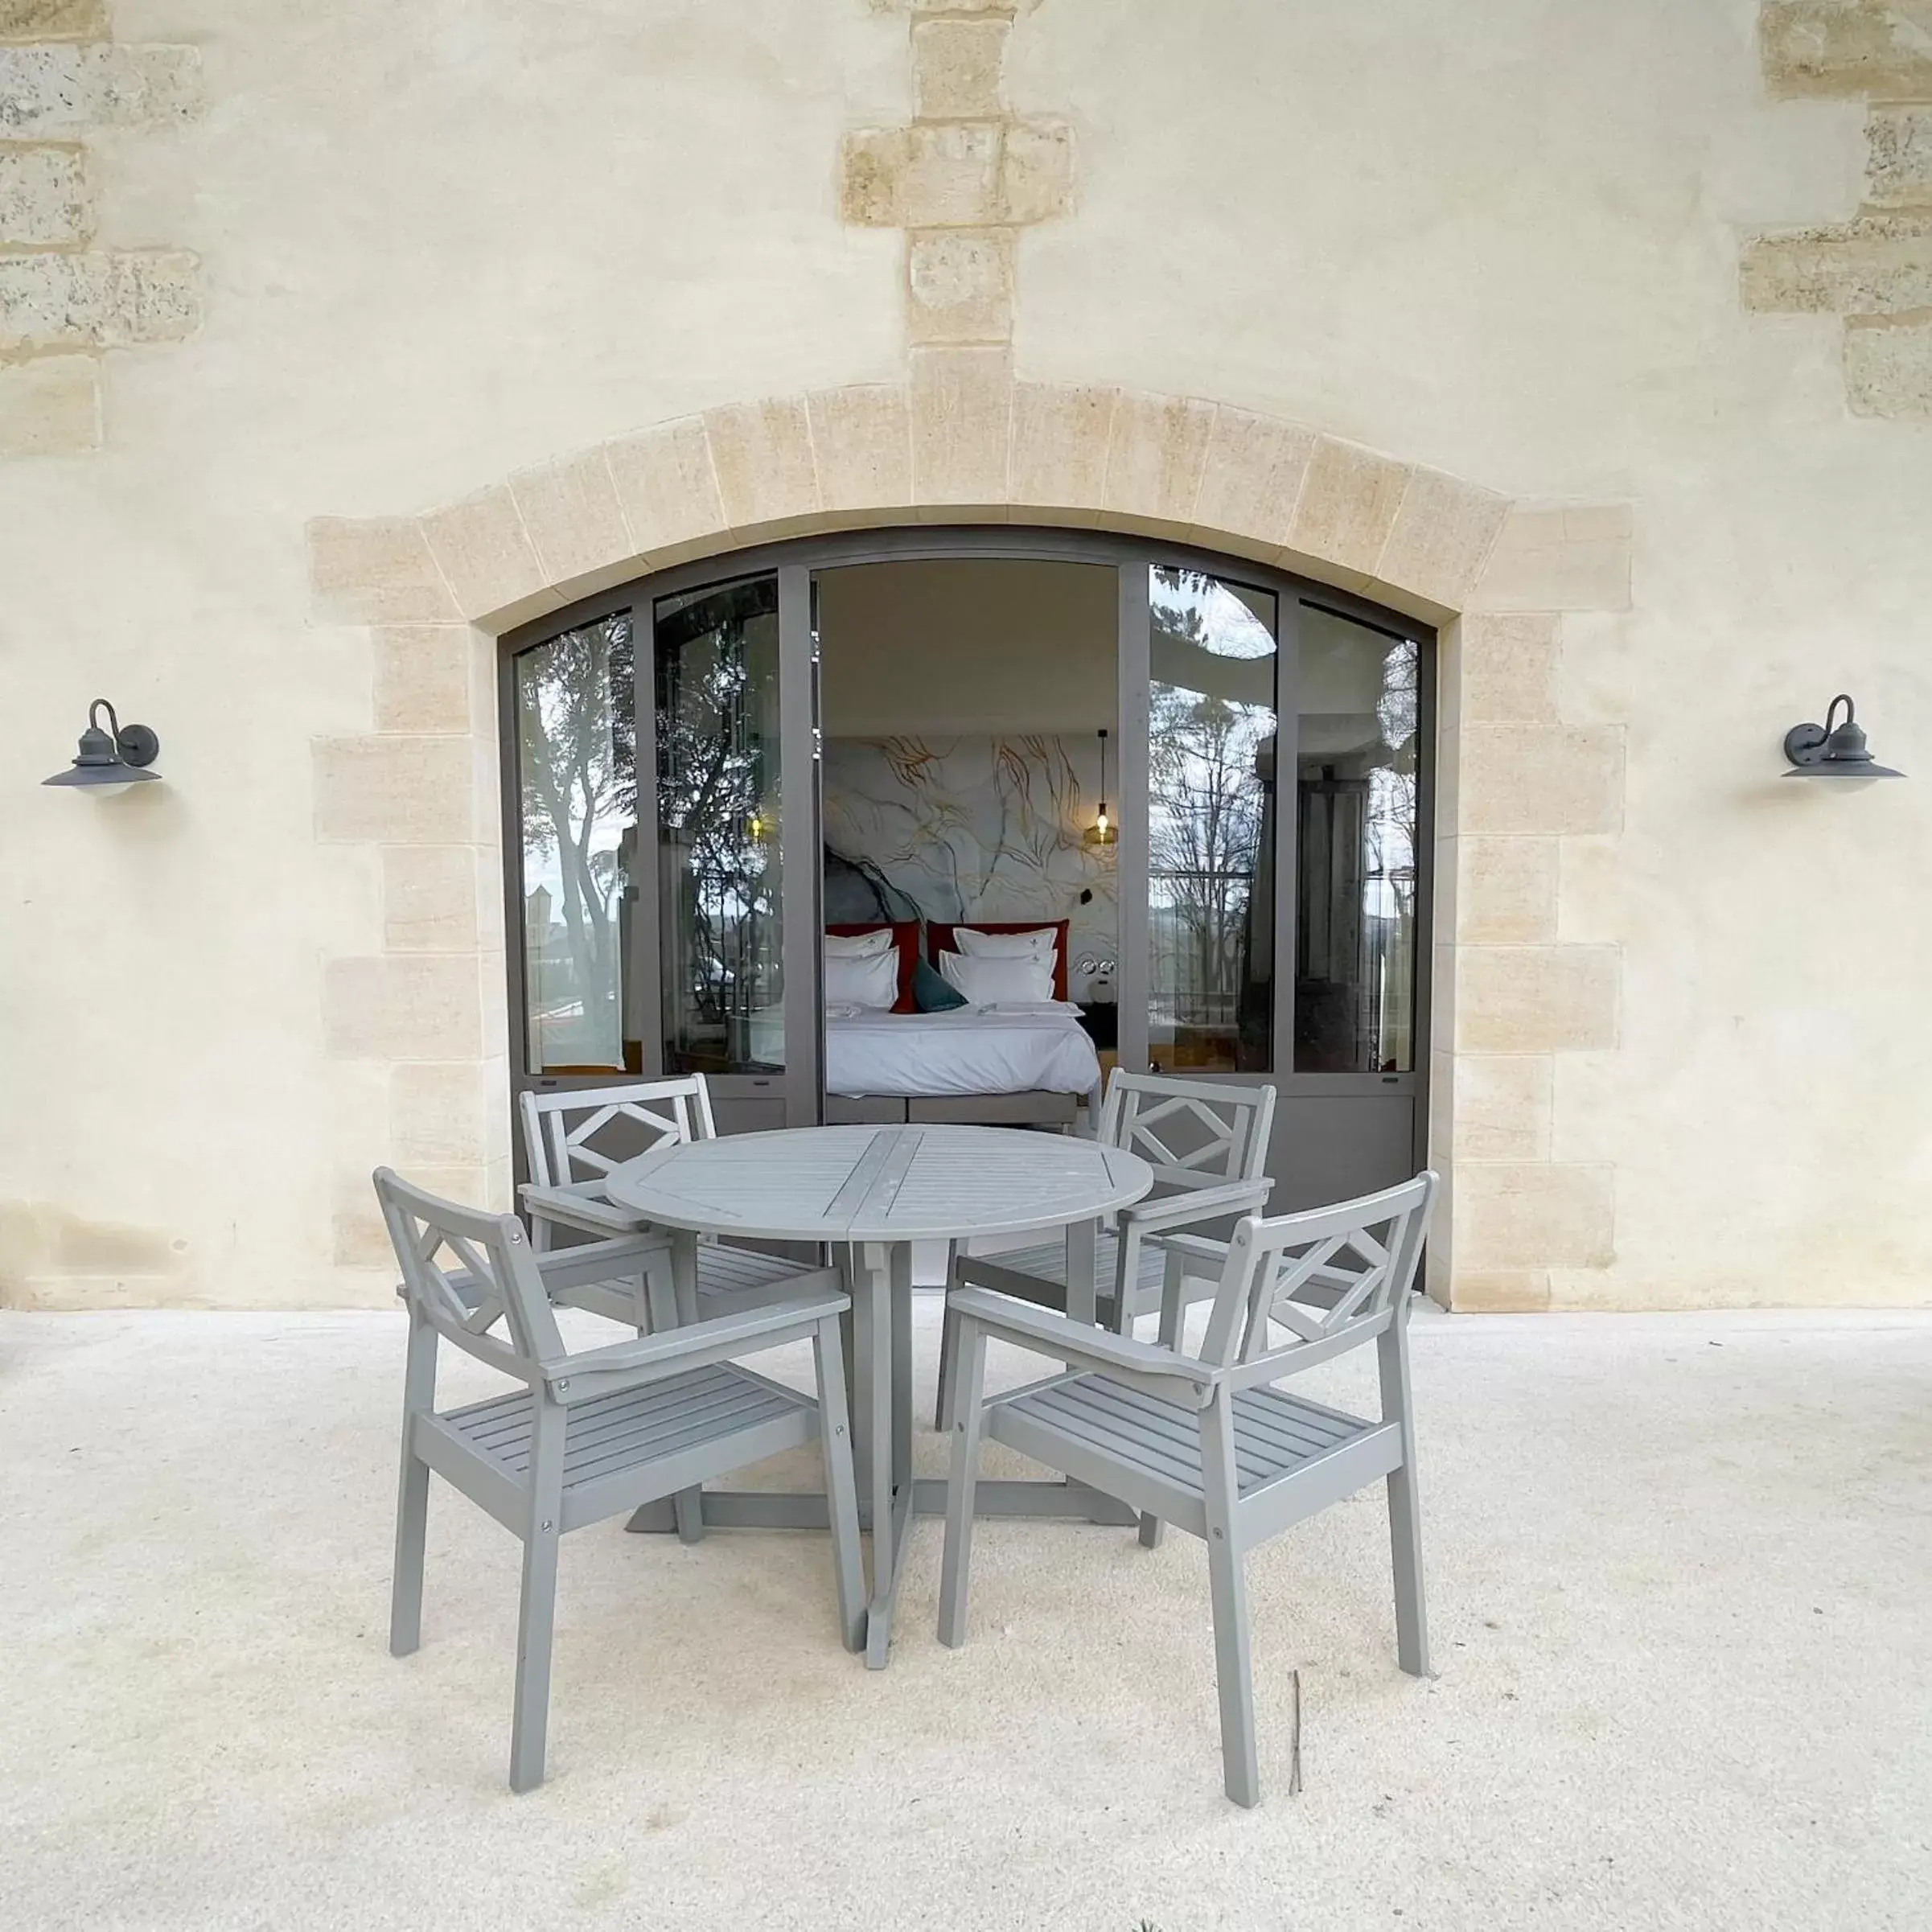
879	1183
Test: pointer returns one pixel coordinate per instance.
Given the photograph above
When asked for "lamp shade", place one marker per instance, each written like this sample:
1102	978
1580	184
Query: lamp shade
113	759
1832	750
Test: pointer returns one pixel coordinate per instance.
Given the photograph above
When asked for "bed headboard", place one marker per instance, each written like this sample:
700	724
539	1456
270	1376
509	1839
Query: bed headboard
938	939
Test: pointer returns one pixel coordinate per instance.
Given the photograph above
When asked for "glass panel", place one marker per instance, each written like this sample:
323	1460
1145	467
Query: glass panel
1211	730
717	663
577	744
1355	849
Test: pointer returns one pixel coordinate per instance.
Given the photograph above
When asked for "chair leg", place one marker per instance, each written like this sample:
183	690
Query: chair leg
537	1609
687	1505
841	1488
1172	1308
942	1416
1228	1584
412	1532
412	1493
969	1418
1404	1506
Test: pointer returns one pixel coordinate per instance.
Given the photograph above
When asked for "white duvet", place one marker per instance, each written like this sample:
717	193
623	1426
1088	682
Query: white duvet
1022	1048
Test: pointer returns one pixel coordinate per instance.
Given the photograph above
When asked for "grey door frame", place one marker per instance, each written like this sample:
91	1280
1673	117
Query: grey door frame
795	561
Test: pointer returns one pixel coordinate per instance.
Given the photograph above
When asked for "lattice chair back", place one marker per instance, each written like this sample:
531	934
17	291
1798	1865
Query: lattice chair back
580	1134
1361	1255
464	1271
1192	1134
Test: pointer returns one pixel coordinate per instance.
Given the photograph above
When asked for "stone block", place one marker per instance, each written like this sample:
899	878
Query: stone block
1560	557
50	407
1494	1291
762	453
99	300
1536	999
1036	171
667	484
861	441
1507	673
932	174
917	7
484	553
1156	455
53	20
1060	436
1878	264
1506	890
1898	169
399	1006
959	285
956	67
961	405
45	201
1501	1106
1252	476
1441	538
422	677
441	1115
67	91
376	569
573	518
1551	779
1347	505
429	898
1889	368
1878	47
394	790
1533	1216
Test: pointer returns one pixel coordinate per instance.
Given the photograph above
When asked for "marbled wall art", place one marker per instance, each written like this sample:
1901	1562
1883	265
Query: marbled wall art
978	828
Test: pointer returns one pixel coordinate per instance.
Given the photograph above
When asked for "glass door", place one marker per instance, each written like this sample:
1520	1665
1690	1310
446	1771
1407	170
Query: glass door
1271	914
666	811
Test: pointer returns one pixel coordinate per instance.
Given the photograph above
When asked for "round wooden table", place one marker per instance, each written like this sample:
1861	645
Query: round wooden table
870	1193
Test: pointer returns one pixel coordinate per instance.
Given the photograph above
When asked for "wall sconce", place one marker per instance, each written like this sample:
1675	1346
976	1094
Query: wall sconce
1832	751
1102	831
110	760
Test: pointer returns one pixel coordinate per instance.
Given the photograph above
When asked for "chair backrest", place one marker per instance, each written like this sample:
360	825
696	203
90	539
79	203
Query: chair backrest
489	1275
1362	1254
1192	1134
562	1130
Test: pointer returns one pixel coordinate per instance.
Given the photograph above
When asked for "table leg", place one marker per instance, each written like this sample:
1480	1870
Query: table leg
687	1505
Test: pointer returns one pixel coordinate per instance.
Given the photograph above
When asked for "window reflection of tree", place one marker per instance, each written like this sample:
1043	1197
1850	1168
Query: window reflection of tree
579	786
1208	760
712	778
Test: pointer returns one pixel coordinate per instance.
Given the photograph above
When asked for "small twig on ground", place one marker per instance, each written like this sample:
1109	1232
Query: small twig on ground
1294	1736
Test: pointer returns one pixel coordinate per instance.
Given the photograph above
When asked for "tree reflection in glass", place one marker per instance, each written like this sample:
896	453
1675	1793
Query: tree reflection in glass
718	798
577	767
1212	734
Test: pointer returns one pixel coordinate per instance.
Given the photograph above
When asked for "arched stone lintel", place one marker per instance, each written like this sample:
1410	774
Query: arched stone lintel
961	442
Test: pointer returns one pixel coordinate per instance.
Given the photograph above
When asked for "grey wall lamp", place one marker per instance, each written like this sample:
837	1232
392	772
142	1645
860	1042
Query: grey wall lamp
1833	751
112	759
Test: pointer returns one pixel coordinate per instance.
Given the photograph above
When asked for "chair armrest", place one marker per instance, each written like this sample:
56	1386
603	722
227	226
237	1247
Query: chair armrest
597	1372
1204	1249
1201	1204
1045	1331
581	1205
563	1268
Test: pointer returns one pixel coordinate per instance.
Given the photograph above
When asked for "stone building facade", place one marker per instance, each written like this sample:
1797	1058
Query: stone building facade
336	342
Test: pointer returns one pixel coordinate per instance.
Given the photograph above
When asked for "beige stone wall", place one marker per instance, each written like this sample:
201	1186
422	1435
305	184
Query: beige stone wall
501	312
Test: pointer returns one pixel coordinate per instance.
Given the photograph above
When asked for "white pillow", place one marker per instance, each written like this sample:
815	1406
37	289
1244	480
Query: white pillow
1042	943
858	945
987	981
863	982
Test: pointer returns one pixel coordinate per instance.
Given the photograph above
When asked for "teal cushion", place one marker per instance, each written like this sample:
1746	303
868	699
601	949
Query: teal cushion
931	992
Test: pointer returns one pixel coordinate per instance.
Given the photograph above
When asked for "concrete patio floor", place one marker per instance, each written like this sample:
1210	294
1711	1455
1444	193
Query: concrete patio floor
1681	1596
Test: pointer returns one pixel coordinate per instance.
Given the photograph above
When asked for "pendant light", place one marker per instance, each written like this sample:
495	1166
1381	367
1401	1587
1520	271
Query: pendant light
1102	831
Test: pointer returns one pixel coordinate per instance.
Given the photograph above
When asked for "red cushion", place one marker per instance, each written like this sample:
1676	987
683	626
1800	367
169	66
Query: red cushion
940	939
906	941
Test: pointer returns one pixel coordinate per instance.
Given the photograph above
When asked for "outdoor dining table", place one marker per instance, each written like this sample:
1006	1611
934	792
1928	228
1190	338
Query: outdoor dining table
870	1193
